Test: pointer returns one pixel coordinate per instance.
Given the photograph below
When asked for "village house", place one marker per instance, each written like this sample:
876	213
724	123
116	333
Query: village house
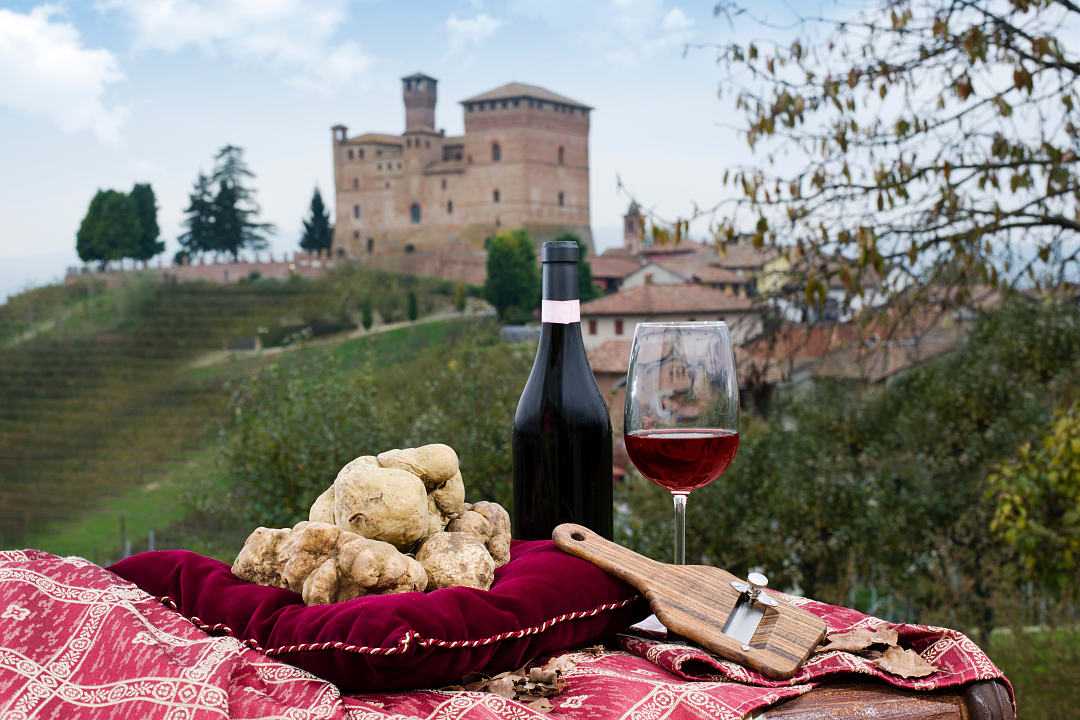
615	316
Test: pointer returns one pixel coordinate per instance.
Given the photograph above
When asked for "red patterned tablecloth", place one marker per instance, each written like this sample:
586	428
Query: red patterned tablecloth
77	641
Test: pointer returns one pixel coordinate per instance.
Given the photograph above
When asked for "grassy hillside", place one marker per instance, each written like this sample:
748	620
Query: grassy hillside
107	408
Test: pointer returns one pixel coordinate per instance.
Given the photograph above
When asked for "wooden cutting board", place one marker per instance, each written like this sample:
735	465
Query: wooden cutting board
695	601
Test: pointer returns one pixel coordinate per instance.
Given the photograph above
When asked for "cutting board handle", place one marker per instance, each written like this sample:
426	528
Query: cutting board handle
621	562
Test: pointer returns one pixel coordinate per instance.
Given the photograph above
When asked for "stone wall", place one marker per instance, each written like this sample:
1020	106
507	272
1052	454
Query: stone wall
310	265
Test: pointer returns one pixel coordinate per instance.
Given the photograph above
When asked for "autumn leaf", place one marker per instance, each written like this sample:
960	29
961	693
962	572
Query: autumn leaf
859	639
904	663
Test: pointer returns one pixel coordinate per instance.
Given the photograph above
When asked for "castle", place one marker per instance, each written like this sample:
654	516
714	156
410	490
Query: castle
523	162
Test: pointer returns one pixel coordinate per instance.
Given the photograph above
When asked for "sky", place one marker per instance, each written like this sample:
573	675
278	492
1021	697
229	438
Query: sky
107	93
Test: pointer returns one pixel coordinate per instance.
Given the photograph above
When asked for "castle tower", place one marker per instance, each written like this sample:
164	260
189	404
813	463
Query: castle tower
419	92
633	229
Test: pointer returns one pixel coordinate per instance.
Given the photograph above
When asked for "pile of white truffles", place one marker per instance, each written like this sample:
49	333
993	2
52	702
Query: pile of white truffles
396	522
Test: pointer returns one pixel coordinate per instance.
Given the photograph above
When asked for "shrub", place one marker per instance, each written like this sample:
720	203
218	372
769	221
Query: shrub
297	423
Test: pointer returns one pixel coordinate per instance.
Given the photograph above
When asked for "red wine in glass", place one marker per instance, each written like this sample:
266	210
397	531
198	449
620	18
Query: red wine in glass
682	409
682	459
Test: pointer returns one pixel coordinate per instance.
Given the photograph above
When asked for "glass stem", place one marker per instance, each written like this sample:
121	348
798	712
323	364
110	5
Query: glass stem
680	527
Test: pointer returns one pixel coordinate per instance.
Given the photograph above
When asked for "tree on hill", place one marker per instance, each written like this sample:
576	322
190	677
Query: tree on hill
235	210
513	279
110	230
198	236
586	288
146	208
412	310
318	234
910	136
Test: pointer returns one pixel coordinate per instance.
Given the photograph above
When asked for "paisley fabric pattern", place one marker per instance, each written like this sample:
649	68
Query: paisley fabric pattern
79	641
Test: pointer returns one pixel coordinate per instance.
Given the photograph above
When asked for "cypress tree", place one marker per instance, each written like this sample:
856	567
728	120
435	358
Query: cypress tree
198	220
317	233
142	195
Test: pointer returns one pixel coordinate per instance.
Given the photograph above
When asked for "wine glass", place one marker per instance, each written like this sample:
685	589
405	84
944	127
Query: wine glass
682	409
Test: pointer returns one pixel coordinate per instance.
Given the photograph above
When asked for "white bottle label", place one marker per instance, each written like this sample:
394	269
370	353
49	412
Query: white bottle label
562	312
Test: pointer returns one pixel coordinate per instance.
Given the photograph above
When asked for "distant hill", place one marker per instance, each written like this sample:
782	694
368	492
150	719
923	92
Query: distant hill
111	395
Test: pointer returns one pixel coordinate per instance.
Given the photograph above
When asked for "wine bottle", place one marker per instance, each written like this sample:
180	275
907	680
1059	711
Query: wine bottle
562	431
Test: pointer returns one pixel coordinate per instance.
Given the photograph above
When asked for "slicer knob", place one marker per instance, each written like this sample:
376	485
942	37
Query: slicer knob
758	582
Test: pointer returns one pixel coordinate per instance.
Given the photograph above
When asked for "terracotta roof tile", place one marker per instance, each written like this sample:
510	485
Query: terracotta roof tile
516	89
666	300
612	266
612	356
376	139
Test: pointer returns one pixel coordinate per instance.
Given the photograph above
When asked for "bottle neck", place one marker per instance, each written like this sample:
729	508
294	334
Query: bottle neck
560	304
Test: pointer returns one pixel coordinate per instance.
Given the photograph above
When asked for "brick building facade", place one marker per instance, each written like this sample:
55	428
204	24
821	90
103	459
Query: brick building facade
522	162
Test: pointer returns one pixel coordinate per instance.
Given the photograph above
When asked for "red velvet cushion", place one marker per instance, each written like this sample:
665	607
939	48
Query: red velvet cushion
543	601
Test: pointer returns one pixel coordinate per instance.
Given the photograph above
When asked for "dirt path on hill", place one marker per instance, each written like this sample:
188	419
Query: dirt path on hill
218	357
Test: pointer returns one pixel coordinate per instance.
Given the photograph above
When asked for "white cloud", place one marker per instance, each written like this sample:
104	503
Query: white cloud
46	71
625	32
293	36
641	29
466	33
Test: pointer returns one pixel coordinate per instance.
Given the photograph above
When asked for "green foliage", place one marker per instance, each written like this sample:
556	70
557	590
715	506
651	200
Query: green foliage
1041	665
878	496
142	194
586	289
226	219
292	431
110	230
366	315
513	279
459	297
317	235
412	312
295	425
1037	503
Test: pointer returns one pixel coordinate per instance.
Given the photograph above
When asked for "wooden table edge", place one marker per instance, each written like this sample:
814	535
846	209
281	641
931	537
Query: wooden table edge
982	700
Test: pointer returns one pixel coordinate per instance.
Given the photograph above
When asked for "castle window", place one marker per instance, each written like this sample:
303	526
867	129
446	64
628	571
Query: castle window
496	152
409	248
350	154
378	153
444	183
370	245
503	105
592	327
360	153
408	142
495	196
414	213
562	155
356	183
618	326
562	199
515	102
356	211
379	166
427	143
449	207
355	234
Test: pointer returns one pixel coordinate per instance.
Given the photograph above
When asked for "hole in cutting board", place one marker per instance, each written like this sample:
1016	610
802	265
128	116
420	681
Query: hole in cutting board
579	536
